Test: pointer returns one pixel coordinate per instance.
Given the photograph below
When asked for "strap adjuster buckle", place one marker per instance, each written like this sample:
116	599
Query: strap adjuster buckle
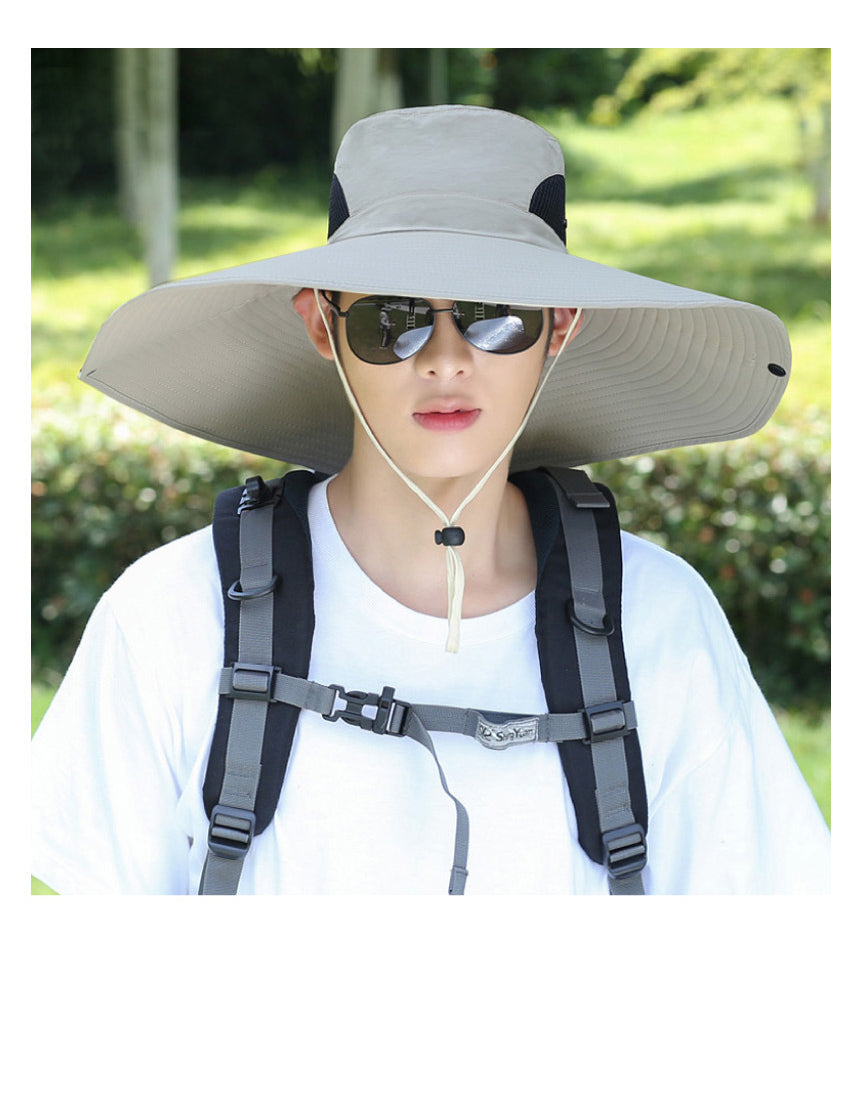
607	721
625	851
231	831
253	681
389	718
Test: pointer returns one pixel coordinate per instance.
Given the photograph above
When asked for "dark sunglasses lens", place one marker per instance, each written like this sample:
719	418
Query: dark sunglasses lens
499	328
385	330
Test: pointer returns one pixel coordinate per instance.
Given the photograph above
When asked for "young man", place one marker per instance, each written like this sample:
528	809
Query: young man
441	339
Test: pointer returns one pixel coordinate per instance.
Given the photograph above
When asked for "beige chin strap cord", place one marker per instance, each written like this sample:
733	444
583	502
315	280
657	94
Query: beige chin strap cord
454	564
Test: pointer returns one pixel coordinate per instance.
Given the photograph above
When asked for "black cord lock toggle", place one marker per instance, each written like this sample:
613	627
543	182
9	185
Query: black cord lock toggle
450	537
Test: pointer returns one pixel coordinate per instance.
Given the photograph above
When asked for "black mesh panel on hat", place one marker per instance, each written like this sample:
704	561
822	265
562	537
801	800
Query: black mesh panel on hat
548	203
338	209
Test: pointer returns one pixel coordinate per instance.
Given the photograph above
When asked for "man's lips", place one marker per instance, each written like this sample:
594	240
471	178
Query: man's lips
447	419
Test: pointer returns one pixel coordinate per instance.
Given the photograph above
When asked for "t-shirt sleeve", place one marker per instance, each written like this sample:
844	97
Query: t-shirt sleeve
104	780
732	812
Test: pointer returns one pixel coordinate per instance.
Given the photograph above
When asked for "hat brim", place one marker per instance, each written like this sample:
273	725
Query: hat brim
224	356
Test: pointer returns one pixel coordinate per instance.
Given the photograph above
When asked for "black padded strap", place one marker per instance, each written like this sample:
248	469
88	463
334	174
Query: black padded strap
560	666
292	634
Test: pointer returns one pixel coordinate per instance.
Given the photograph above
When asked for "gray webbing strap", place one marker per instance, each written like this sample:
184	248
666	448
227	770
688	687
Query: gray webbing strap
494	730
416	730
498	731
231	826
623	837
391	717
394	718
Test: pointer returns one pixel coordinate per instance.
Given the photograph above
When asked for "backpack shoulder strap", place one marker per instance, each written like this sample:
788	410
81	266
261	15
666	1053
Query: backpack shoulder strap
269	623
268	627
583	666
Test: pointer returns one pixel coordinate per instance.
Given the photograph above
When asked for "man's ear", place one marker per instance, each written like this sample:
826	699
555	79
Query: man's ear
562	318
305	304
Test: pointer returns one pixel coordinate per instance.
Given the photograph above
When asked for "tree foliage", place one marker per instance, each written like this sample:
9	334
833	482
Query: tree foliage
677	78
246	110
674	78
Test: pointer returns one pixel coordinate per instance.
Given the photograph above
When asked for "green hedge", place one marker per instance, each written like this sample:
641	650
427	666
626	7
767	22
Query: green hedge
107	486
752	517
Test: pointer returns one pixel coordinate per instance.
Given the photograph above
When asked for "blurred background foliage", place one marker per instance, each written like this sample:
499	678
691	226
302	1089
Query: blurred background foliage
707	168
241	111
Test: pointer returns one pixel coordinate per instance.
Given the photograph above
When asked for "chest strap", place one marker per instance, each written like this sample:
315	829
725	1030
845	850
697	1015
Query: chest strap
231	828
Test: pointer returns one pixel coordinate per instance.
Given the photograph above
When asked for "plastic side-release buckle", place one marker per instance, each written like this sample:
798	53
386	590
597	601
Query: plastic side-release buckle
231	831
389	718
624	850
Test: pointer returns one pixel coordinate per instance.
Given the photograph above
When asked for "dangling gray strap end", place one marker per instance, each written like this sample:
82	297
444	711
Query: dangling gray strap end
631	886
457	885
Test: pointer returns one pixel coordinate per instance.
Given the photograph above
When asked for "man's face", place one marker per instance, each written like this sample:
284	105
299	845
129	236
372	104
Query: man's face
449	410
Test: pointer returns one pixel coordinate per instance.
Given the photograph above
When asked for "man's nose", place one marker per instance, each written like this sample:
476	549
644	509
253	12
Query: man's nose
446	354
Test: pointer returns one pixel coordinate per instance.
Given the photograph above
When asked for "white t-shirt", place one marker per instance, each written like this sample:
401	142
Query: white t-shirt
120	757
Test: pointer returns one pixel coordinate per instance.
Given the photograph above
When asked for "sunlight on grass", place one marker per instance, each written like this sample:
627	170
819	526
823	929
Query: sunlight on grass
810	377
259	226
809	741
668	151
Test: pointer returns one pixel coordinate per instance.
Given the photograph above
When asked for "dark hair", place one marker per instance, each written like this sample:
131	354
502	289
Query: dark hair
334	296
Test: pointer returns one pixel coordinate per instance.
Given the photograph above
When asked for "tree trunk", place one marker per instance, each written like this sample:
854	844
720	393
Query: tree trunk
129	132
367	81
438	77
162	171
821	170
147	154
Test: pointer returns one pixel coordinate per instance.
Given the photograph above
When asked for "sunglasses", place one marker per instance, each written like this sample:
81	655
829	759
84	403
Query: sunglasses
386	330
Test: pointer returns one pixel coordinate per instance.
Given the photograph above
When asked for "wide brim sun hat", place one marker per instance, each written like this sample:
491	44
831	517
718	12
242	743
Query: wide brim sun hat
447	202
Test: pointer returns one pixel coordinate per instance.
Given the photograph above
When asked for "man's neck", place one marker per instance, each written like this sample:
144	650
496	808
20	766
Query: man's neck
390	533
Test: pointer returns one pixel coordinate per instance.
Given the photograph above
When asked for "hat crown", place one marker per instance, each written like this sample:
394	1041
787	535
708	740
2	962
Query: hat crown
457	161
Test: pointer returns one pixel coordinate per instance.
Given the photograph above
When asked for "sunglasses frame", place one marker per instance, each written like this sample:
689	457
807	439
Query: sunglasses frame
344	315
